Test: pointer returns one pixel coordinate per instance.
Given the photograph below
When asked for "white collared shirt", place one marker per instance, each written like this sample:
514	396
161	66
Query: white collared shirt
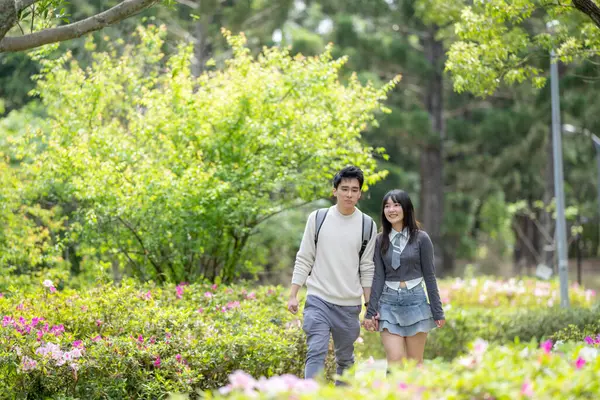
404	237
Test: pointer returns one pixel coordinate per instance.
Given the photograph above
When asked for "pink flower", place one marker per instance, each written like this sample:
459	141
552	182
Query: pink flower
147	295
233	304
52	289
241	380
78	344
140	339
98	322
214	287
20	307
1	295
57	330
178	357
48	283
27	364
589	340
208	295
179	290
157	362
200	310
97	338
251	296
527	389
402	386
480	346
547	346
84	308
579	363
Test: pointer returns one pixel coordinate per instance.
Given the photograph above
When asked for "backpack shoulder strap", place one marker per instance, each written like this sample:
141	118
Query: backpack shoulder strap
367	228
319	219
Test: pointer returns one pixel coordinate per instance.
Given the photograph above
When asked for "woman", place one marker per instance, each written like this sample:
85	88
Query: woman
404	261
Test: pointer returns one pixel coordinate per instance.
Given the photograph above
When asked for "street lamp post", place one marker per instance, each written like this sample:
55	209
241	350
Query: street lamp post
596	140
559	192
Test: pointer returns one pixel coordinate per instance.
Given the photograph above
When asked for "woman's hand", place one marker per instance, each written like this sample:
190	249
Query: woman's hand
440	322
371	324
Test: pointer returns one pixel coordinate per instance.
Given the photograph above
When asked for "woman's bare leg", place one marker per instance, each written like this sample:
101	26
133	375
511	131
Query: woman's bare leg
395	347
415	346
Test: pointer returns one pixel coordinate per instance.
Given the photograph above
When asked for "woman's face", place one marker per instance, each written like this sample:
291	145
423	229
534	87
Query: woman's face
393	212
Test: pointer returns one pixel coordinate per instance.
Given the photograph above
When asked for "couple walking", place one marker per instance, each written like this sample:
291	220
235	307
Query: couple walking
342	258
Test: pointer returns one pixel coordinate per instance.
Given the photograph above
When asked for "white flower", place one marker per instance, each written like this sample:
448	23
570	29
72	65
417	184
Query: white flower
589	354
48	283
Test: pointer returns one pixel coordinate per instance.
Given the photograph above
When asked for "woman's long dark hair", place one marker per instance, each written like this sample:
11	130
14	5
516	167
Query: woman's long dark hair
410	222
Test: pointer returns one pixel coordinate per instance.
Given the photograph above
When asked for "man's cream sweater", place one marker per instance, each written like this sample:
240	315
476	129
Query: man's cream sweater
334	266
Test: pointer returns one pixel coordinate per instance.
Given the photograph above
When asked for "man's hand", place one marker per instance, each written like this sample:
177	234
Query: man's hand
293	305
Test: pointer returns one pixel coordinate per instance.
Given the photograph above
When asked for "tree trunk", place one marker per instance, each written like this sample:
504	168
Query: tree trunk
202	47
8	16
431	159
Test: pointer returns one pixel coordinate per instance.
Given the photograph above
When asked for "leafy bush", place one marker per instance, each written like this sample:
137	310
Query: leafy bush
147	341
522	293
495	325
576	333
111	342
503	372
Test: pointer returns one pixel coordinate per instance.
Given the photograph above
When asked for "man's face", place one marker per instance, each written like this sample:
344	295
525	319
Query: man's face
347	193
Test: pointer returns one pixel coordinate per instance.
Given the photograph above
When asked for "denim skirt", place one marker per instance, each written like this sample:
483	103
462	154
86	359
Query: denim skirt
405	312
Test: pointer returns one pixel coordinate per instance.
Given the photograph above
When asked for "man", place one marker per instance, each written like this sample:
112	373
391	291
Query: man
335	274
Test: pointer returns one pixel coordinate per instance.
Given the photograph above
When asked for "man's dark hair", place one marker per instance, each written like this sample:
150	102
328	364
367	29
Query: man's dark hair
350	172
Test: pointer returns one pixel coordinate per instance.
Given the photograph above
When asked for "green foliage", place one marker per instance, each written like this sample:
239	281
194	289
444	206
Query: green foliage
171	174
501	42
499	311
155	340
497	372
575	333
500	325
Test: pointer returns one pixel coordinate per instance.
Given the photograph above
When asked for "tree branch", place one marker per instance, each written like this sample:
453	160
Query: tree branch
111	16
589	8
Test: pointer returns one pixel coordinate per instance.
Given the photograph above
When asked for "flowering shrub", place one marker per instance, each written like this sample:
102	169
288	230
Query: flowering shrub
548	371
526	292
497	325
147	341
110	342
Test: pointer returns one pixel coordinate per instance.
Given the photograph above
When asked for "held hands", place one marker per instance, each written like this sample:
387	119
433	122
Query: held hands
371	324
292	305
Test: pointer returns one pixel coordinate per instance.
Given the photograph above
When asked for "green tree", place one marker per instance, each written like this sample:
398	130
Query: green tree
507	42
169	173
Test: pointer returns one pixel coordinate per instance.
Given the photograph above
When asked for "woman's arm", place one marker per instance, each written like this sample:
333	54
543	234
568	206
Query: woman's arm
428	270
